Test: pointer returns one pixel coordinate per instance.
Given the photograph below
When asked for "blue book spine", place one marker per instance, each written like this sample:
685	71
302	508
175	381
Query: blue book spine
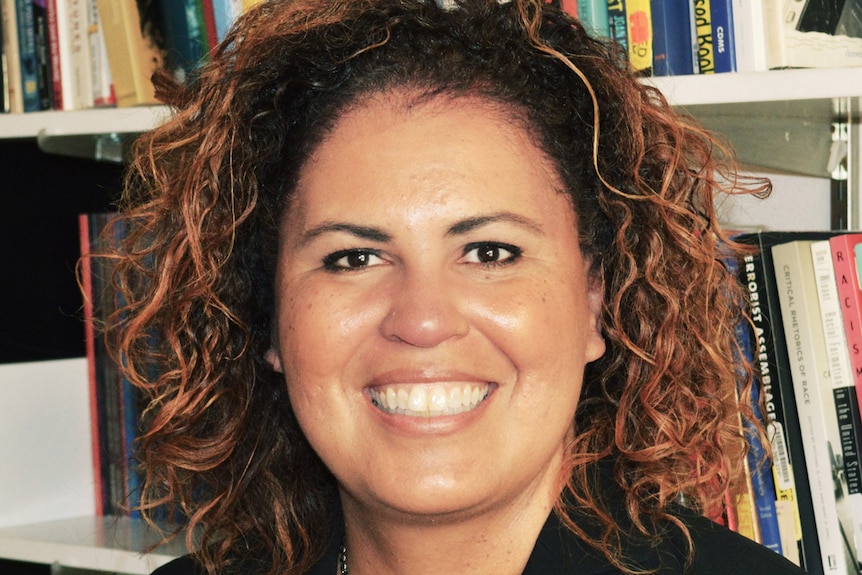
29	57
223	18
593	14
723	42
673	49
759	465
617	24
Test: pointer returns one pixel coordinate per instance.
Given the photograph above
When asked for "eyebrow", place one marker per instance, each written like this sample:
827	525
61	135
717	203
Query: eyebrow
363	232
460	228
470	224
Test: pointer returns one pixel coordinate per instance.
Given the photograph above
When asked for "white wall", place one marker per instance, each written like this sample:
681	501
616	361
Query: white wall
796	203
46	464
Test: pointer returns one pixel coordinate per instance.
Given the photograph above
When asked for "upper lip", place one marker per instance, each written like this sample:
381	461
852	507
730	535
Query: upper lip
425	376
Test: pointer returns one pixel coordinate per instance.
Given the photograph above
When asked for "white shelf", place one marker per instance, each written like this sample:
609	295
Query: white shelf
110	544
803	85
771	86
82	122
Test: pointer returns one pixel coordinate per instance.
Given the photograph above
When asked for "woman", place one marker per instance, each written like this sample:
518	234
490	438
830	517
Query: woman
416	289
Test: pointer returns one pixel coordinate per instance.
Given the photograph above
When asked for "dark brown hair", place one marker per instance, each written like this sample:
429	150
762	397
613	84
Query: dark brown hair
207	190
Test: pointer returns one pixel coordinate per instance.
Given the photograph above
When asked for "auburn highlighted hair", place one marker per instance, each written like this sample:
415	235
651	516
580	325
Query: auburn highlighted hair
206	192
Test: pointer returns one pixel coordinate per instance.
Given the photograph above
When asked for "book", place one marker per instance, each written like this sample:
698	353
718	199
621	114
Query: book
618	24
723	35
749	35
794	505
812	385
593	14
758	466
102	85
133	58
703	32
225	13
80	73
673	49
115	403
43	54
639	35
183	29
89	277
12	56
813	34
844	424
4	73
27	55
847	278
211	28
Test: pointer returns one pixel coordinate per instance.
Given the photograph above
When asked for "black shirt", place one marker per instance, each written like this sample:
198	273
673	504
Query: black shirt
718	551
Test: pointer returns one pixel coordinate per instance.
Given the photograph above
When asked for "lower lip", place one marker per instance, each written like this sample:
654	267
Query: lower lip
419	425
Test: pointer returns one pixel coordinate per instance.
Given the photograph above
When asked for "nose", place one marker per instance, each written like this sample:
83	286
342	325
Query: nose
424	311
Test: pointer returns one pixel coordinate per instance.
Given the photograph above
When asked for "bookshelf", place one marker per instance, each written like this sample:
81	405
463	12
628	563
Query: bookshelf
759	112
101	544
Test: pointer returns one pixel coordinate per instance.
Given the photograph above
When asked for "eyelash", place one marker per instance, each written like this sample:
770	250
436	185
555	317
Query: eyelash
514	251
330	262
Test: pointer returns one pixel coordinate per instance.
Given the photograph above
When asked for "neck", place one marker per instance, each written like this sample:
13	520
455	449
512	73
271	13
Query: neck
497	541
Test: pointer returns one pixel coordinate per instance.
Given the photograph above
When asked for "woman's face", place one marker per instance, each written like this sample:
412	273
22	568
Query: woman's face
434	314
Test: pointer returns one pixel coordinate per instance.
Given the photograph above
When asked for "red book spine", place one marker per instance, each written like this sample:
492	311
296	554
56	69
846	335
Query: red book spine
86	280
210	23
847	280
54	47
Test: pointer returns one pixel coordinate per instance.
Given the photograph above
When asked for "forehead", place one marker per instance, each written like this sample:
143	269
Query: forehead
410	141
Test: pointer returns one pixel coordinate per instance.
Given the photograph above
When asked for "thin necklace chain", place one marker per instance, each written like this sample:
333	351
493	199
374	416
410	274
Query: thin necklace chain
342	559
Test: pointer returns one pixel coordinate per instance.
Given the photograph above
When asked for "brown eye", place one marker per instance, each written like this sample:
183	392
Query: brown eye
491	253
353	259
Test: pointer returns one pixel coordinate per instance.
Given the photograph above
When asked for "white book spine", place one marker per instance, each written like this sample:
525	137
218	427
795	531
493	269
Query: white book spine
809	366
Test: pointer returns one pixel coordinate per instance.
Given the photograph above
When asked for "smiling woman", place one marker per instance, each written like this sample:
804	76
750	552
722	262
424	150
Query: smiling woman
404	290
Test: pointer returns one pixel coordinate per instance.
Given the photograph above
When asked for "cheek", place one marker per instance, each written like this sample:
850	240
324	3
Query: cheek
322	330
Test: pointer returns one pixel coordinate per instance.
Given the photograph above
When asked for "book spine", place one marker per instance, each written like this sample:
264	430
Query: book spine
132	59
639	33
617	23
703	31
43	54
209	16
593	14
847	280
800	311
224	17
723	34
13	58
673	51
54	51
100	70
749	35
793	503
27	56
80	74
88	289
4	73
843	430
759	465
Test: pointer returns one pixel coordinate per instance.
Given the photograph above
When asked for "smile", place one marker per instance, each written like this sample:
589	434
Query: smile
429	401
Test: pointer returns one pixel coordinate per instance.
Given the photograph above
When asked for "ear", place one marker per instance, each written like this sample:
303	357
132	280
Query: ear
272	358
595	302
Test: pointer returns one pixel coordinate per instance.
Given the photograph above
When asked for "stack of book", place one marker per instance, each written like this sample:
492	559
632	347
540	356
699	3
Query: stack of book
678	37
77	54
805	342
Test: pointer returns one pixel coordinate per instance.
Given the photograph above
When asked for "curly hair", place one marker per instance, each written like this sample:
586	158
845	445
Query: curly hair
206	191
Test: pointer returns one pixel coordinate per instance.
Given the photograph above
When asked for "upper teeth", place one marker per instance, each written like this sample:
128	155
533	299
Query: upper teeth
424	401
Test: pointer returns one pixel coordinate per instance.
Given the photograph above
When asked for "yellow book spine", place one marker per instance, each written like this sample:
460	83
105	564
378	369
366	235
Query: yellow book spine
639	31
705	47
